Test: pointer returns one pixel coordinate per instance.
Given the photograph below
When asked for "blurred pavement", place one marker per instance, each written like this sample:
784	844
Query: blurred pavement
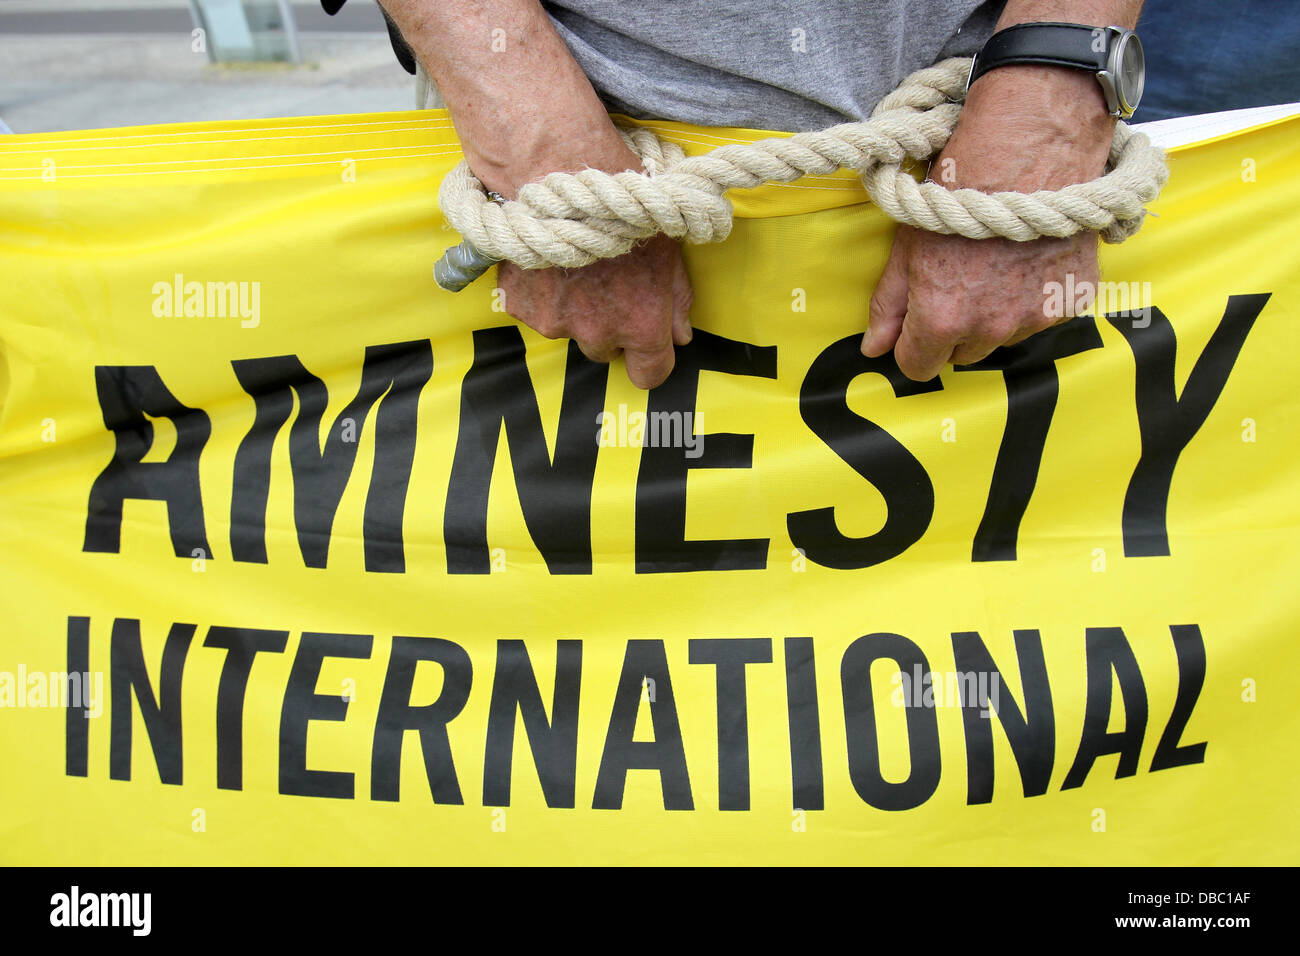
80	64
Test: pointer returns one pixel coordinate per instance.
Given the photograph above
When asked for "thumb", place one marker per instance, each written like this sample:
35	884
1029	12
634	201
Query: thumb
648	367
889	301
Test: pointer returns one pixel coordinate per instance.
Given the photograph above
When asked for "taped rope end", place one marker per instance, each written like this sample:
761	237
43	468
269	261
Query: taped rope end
460	265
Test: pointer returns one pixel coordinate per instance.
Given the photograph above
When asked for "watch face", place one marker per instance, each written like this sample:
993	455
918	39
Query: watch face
1132	71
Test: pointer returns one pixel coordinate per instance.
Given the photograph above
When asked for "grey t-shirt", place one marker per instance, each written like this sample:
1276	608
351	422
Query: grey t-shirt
768	64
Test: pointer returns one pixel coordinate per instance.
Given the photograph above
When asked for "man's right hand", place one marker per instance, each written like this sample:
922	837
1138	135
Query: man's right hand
523	108
636	304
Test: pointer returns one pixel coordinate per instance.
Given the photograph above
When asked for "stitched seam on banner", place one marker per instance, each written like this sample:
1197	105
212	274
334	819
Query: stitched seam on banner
219	169
252	132
236	159
209	142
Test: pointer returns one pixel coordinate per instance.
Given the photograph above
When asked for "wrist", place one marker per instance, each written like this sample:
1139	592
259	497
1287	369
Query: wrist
521	105
515	135
505	165
1029	127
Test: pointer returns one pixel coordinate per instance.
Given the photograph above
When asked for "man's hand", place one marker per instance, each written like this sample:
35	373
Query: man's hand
523	108
947	299
952	300
636	304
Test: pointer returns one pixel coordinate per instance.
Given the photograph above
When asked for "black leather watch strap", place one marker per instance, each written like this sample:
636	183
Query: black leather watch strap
1050	44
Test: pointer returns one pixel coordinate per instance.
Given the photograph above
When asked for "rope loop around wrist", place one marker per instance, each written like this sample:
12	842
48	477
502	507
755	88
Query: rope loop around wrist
570	220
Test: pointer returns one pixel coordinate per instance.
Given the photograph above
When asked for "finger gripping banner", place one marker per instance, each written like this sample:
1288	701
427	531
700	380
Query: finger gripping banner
308	561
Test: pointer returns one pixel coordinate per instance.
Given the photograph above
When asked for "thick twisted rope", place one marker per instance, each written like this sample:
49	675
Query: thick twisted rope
573	219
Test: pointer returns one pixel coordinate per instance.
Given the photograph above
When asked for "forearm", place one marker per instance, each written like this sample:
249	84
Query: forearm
1038	127
521	105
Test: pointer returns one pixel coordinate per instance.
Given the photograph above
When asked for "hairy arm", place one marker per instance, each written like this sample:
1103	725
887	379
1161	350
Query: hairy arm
523	108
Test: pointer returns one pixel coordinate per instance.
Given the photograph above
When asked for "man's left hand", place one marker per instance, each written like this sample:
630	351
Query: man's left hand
948	299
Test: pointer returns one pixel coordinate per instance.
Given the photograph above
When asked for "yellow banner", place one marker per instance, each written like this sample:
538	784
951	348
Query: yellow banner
307	561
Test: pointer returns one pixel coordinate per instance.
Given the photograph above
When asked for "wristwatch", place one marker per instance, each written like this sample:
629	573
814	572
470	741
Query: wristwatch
1112	53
